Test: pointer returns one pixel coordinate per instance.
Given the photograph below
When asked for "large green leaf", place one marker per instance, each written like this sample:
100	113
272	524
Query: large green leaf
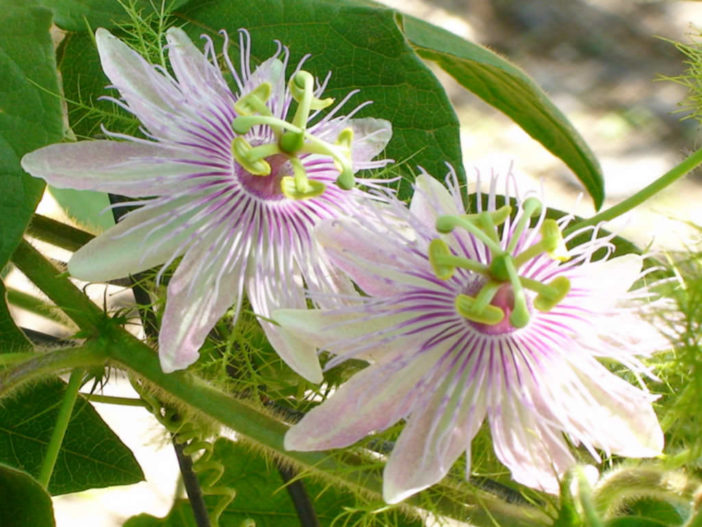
510	90
30	112
361	46
91	455
23	502
261	496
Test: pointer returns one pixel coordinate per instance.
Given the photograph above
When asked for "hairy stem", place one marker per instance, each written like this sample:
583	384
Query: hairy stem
45	364
57	233
59	431
267	432
56	285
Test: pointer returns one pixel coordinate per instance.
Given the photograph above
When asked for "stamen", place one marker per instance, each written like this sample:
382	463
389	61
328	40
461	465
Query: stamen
551	242
446	224
300	186
241	149
477	310
255	101
503	266
530	208
444	263
292	138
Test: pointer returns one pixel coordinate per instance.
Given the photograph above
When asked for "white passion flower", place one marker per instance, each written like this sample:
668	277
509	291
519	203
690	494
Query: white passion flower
233	187
487	319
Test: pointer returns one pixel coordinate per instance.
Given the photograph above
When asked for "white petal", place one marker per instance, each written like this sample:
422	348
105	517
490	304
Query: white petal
143	239
129	169
368	258
535	453
621	417
435	436
371	400
341	330
195	74
202	289
370	137
275	283
149	94
431	200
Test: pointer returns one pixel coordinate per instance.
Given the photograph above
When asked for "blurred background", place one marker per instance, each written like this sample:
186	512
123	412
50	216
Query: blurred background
601	61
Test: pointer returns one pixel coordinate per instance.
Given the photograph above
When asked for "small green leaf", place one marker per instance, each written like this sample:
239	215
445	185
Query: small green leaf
11	338
87	208
510	90
23	503
91	455
30	112
78	15
636	521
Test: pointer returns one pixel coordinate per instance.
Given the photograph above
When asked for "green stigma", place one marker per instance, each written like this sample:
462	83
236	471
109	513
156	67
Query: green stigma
504	266
291	138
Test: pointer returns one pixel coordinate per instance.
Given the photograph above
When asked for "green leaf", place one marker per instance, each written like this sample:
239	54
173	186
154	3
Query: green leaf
77	15
23	502
30	112
261	496
11	338
87	208
636	521
510	90
361	46
655	510
91	455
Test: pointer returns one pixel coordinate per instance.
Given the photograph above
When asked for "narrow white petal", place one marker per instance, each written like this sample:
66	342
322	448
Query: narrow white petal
431	200
148	93
370	259
341	330
202	289
129	169
143	239
196	75
370	137
435	436
371	400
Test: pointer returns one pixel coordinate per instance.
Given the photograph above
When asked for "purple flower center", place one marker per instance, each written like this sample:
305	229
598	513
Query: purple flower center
266	187
504	300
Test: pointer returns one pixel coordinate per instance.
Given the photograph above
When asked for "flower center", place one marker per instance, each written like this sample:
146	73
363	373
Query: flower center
267	187
501	302
278	162
504	301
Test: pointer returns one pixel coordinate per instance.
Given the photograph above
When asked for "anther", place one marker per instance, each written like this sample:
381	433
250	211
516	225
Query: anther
255	101
241	149
489	315
299	186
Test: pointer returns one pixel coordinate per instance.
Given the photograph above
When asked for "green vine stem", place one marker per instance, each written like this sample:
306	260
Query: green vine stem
57	233
59	431
109	340
56	285
42	365
111	399
36	306
670	177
